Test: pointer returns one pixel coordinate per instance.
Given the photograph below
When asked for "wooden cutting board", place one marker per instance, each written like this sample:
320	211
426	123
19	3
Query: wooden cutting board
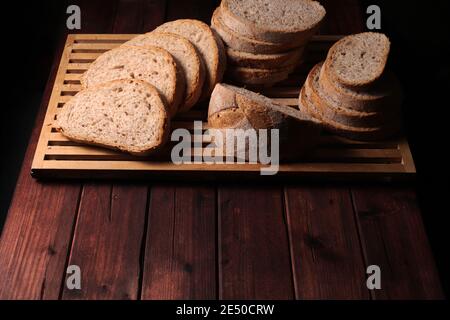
335	157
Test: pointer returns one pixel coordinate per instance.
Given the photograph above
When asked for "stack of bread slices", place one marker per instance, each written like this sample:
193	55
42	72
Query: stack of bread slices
131	92
350	93
265	39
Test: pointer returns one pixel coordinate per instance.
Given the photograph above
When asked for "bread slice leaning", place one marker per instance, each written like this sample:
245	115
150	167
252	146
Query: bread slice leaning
151	64
245	44
208	45
278	21
185	56
232	107
358	60
128	115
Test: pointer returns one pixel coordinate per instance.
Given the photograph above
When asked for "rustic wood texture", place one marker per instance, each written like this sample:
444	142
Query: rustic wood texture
393	237
324	242
190	241
180	253
254	261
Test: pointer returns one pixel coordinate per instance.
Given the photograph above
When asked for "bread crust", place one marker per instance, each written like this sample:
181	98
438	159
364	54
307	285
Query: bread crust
264	61
333	110
267	32
215	65
230	109
354	133
172	98
245	44
335	77
192	67
254	76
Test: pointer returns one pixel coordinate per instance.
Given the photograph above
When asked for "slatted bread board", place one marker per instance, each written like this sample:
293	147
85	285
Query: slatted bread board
335	157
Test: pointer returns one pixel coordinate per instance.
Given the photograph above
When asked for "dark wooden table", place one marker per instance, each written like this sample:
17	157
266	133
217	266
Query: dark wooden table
189	241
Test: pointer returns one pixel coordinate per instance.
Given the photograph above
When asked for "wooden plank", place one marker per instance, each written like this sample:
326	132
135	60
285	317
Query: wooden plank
327	261
115	212
254	258
38	229
180	258
107	241
394	238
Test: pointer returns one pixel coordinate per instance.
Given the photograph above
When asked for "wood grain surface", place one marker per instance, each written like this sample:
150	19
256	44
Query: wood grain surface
189	241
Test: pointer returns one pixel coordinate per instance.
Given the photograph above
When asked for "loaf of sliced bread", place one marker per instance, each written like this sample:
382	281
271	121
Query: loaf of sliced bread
256	76
277	21
128	115
338	111
244	44
232	107
264	61
306	105
380	96
358	60
186	57
151	64
208	45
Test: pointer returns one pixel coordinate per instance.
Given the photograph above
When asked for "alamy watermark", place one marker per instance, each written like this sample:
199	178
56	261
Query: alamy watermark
227	146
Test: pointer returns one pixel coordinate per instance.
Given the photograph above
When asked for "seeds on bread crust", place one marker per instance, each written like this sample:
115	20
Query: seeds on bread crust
151	64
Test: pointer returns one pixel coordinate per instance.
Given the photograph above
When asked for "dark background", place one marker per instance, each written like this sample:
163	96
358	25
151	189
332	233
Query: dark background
420	56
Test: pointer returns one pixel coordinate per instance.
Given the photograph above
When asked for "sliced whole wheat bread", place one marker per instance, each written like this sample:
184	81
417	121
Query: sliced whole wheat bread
382	95
264	61
277	21
242	43
255	76
208	45
185	56
358	60
128	115
339	112
356	133
232	107
151	64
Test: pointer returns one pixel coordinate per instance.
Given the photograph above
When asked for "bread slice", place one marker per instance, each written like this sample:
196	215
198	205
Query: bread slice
358	60
339	112
232	107
185	56
264	61
128	115
306	105
255	76
208	45
151	64
380	96
241	43
277	21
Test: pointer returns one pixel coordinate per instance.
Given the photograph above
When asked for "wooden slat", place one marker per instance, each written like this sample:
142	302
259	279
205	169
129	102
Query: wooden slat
253	244
107	241
394	238
327	262
180	258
